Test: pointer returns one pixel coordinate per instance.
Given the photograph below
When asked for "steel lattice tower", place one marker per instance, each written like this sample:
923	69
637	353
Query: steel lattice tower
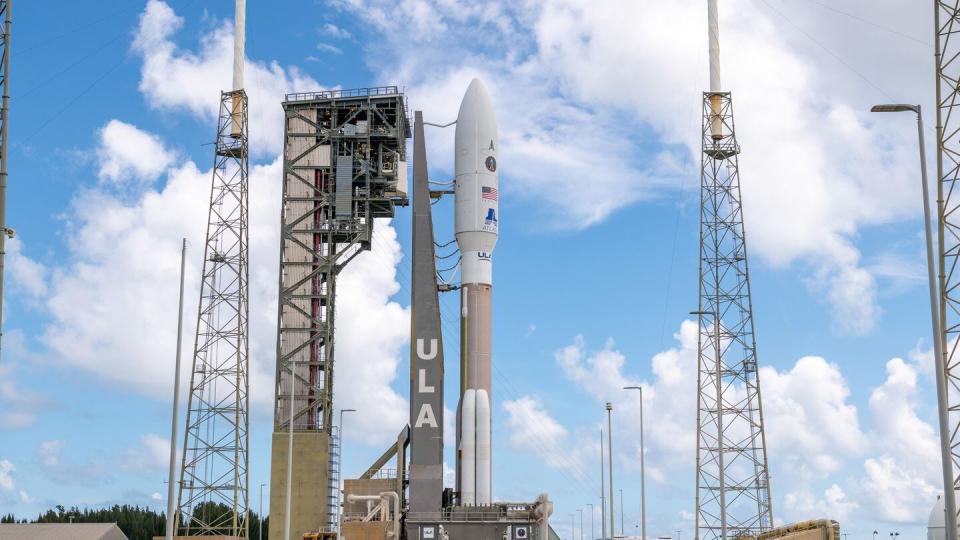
733	493
947	24
213	497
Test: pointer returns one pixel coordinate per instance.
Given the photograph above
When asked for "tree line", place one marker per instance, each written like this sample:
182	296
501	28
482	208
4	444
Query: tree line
135	522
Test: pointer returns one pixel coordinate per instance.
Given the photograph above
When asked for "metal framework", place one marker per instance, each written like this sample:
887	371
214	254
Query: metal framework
213	497
947	17
733	490
344	166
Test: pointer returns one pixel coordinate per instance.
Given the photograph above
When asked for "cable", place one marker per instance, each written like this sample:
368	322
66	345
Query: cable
871	23
827	50
72	101
70	66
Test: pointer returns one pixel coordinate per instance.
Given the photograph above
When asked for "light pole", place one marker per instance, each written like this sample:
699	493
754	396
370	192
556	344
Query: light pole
573	528
623	530
946	459
592	534
580	510
603	496
340	470
643	493
613	519
894	535
875	535
260	528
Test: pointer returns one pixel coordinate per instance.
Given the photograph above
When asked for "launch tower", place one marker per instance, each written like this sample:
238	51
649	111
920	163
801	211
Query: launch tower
733	490
344	166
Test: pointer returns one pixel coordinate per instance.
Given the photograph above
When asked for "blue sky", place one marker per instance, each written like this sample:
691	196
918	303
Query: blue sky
595	268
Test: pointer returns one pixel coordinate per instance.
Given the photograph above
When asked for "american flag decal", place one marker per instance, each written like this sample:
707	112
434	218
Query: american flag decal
488	193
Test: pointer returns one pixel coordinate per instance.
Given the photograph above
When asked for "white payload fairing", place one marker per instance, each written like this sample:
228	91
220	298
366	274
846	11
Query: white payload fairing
477	227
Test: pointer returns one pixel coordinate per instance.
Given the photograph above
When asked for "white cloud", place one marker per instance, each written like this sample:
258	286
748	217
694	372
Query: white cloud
7	469
49	453
587	91
334	31
809	421
174	79
367	361
833	502
328	48
152	453
25	274
126	153
902	479
26	498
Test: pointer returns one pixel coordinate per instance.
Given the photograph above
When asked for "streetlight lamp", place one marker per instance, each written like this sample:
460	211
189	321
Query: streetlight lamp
894	535
592	537
643	494
260	517
875	535
573	528
340	469
950	503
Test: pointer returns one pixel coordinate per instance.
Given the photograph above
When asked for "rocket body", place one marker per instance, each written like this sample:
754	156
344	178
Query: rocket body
477	224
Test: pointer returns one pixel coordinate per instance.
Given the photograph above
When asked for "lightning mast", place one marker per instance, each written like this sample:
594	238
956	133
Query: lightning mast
213	496
733	490
947	24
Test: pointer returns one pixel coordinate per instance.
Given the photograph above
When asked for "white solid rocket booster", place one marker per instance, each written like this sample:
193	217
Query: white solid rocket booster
477	226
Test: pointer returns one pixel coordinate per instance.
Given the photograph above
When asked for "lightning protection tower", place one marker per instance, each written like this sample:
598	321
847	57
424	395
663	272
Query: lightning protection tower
213	495
947	25
344	166
733	491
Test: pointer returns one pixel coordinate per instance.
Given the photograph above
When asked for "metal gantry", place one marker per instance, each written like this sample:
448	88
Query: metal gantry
733	492
213	497
947	27
344	166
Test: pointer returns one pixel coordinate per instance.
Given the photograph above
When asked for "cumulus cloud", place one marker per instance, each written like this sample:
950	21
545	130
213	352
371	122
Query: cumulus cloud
151	453
7	482
809	418
560	67
173	79
901	479
27	276
127	153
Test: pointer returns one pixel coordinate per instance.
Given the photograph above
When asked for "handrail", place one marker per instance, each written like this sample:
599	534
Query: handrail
352	92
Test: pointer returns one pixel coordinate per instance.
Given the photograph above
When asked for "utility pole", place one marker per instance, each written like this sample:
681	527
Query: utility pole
613	520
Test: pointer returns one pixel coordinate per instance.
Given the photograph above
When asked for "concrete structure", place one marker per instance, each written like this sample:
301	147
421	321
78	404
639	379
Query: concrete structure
819	529
344	166
61	531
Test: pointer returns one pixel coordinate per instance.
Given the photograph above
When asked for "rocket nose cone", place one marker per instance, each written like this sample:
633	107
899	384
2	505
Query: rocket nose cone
476	101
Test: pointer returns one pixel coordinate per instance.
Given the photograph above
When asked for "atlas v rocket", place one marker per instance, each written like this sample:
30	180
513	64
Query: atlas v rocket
477	227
